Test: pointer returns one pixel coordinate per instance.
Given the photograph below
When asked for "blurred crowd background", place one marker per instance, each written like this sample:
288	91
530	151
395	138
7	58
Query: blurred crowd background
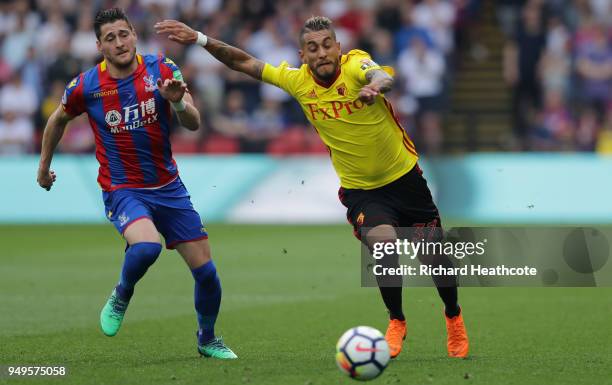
471	75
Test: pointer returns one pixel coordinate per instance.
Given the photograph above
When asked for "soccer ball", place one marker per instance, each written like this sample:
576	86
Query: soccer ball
362	353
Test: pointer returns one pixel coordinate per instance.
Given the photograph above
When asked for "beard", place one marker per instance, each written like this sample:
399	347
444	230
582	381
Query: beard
326	77
122	64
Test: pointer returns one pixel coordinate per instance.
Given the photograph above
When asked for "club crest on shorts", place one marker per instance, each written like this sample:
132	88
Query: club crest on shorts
360	219
123	219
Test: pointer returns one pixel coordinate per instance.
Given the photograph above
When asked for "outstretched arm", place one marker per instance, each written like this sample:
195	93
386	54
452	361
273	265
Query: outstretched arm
379	82
233	57
54	130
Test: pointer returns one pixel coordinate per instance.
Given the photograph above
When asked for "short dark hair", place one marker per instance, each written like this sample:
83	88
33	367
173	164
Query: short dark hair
316	23
105	16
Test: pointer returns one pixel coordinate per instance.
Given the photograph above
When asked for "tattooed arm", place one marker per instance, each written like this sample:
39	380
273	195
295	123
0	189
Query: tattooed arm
233	57
379	82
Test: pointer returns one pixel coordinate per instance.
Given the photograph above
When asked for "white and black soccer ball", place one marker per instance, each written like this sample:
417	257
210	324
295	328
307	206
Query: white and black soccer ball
362	353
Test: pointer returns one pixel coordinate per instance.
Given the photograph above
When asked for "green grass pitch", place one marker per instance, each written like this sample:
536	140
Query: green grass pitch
289	292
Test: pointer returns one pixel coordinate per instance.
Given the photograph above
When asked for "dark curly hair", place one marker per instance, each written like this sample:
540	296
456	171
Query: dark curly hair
110	15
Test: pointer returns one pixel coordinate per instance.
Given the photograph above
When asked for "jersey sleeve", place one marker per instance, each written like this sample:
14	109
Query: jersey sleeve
73	101
283	76
169	70
360	63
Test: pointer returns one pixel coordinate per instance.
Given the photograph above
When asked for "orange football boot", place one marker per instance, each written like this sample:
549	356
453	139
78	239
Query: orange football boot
395	336
457	339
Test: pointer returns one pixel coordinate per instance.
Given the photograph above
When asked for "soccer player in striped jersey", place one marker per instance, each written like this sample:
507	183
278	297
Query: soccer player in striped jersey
129	99
381	183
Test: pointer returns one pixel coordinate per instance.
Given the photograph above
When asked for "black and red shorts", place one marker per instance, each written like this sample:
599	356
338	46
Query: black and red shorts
405	202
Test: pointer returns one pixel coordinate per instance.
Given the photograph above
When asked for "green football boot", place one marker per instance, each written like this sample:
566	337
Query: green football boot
112	314
216	349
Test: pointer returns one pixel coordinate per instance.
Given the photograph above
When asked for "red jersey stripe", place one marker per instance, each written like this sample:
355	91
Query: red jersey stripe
123	139
405	138
154	129
104	178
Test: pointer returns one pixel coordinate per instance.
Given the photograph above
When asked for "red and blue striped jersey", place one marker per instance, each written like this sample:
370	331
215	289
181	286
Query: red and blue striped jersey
130	120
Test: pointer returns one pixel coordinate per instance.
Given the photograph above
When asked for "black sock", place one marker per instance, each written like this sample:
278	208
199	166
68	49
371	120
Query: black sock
449	296
446	284
392	296
391	287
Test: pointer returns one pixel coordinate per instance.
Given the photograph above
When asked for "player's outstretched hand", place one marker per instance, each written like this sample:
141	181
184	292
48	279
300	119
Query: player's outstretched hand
172	89
177	31
46	178
367	94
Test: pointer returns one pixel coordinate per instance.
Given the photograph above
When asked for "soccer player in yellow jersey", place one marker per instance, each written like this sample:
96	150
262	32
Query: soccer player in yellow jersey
381	183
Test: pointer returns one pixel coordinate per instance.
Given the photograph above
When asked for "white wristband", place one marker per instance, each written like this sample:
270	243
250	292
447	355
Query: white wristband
202	39
179	106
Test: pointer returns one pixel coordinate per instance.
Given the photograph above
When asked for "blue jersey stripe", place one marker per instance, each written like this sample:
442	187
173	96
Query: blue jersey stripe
165	117
140	137
95	109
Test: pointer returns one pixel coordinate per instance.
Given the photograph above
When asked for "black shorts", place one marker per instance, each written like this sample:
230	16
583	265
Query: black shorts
405	202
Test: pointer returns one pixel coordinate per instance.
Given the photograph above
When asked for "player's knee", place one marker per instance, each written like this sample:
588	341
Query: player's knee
205	255
381	233
205	273
146	251
195	253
